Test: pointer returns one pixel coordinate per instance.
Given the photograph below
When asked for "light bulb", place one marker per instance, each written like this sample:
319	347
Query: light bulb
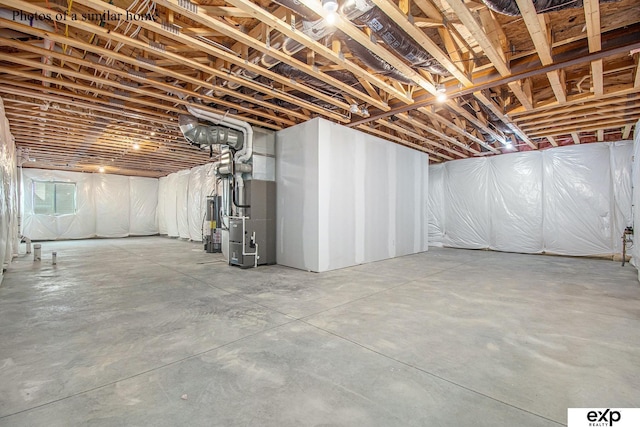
331	18
136	146
101	169
442	97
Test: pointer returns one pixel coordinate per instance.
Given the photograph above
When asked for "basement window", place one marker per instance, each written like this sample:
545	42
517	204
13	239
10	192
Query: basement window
54	198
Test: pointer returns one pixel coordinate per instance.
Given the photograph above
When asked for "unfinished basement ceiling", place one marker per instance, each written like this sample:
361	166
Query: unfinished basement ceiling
102	91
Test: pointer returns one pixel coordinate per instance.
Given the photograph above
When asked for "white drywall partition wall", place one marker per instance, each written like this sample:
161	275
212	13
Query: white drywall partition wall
182	203
436	205
162	215
466	190
80	225
572	200
143	204
346	197
577	204
297	210
196	203
516	202
111	194
170	205
106	206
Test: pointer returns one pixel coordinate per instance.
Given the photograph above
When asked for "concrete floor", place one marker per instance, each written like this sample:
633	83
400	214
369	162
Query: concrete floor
153	331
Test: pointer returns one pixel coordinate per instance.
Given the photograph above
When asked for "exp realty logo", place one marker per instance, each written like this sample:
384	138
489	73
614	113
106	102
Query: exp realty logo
603	417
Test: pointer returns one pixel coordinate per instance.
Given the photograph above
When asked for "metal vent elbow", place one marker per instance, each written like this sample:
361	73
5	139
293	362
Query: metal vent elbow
204	136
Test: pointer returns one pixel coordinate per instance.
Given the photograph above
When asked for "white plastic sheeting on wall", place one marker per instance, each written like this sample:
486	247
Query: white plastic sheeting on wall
571	200
182	203
196	202
112	205
81	225
143	200
635	198
106	206
346	197
161	211
516	205
170	205
466	192
8	193
436	204
182	196
577	200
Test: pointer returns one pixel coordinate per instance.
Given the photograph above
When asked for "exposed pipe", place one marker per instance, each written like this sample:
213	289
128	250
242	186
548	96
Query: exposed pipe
373	61
510	7
207	136
47	43
241	156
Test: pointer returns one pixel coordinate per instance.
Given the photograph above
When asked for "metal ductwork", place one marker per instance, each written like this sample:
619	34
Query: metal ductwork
205	136
510	7
373	61
399	41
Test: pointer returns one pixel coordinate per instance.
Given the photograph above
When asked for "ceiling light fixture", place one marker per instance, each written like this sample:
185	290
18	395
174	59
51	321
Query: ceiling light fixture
136	146
331	7
364	112
101	169
508	144
441	93
354	108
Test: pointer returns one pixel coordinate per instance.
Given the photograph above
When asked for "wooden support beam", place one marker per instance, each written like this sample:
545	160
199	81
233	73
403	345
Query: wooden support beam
107	34
204	19
592	22
414	121
600	135
552	141
495	110
331	54
458	126
491	49
362	38
419	125
386	135
626	131
575	137
393	12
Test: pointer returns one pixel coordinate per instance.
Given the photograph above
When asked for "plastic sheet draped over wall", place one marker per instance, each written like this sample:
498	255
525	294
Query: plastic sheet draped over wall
112	205
635	198
8	193
572	200
196	202
346	197
436	205
170	205
161	211
182	198
106	206
515	202
182	203
143	201
467	203
577	200
81	225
